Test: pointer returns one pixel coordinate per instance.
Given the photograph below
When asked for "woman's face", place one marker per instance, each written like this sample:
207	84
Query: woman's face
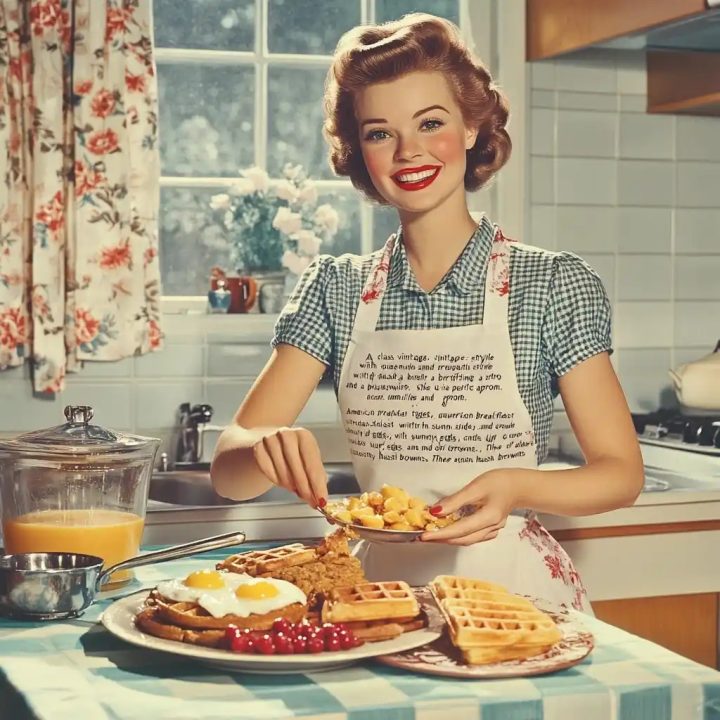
413	140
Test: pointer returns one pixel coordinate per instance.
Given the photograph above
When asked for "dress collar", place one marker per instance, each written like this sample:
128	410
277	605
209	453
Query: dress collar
462	278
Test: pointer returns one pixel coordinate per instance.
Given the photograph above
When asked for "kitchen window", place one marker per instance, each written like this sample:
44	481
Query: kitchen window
240	84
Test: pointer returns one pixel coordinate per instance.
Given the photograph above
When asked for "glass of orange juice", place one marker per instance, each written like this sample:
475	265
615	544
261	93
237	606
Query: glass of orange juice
77	488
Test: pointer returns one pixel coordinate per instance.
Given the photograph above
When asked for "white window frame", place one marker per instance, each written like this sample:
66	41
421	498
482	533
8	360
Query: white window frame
478	15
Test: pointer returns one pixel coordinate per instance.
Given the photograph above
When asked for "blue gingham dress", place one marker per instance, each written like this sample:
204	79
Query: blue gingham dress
559	312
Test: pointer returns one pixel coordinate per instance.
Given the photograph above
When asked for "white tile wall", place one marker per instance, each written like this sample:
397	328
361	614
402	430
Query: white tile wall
636	195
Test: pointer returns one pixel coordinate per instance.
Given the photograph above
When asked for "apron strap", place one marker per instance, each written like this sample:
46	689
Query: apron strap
497	282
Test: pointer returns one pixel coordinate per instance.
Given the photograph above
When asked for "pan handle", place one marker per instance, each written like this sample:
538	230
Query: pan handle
172	553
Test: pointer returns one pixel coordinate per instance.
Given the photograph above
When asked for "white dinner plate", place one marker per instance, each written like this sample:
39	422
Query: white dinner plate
119	619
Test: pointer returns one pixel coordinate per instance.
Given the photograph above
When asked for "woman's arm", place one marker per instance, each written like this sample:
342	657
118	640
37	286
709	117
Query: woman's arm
600	418
259	449
612	477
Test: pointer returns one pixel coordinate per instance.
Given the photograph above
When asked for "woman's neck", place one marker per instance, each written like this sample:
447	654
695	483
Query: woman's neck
435	240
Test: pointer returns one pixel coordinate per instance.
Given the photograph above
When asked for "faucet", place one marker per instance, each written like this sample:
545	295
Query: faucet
192	421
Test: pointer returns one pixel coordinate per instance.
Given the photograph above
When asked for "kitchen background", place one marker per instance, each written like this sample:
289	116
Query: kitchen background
635	194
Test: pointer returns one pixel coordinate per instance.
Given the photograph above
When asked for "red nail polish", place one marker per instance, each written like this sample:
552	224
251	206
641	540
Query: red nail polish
435	510
322	502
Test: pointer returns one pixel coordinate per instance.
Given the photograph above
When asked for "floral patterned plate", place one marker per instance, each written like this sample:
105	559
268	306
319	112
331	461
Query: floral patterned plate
441	657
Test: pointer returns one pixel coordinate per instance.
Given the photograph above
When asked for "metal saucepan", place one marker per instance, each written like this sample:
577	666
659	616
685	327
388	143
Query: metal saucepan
60	585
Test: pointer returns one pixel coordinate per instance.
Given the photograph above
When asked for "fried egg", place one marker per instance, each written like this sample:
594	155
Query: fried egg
224	593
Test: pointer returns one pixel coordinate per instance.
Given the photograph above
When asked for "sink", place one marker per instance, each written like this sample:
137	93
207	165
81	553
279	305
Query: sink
670	480
193	488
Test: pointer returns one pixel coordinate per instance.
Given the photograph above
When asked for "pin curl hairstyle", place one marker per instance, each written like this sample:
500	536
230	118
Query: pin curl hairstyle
417	42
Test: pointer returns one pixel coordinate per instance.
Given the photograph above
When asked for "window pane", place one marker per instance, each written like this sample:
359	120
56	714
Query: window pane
206	119
295	117
347	205
393	9
385	222
309	26
191	241
204	24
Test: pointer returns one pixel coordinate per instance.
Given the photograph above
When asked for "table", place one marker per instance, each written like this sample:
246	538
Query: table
75	670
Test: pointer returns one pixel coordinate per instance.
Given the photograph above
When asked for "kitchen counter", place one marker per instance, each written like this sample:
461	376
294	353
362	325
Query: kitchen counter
75	669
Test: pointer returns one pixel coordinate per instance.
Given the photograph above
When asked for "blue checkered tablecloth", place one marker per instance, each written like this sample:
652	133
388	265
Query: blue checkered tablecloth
78	671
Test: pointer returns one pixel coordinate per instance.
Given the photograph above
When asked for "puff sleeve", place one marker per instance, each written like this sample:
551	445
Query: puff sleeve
578	317
305	321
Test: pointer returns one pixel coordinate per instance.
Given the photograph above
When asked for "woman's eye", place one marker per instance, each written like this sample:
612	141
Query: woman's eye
432	124
376	135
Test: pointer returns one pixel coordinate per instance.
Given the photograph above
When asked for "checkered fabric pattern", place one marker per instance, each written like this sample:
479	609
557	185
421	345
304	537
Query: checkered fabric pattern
559	313
76	670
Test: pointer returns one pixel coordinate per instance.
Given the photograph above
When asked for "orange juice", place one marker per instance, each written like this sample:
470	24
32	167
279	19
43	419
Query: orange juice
111	534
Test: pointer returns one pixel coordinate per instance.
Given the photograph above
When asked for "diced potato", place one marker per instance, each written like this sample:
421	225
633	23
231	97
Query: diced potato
375	500
354	502
372	521
392	516
389	491
343	516
430	527
401	526
416	503
360	512
396	503
443	521
415	518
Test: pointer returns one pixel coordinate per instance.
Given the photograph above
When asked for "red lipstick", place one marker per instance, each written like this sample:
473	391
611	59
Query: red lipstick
428	174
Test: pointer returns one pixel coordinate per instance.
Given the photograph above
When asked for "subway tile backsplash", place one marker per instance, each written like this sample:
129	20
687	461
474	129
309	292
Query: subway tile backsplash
637	196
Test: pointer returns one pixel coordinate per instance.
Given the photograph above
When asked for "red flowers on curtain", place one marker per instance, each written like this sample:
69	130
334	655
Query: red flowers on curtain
79	271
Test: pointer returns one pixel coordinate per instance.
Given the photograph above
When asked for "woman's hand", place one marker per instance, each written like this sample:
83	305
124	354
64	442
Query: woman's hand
290	458
493	494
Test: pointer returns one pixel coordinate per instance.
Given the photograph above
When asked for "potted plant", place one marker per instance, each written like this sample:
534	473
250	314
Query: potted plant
275	228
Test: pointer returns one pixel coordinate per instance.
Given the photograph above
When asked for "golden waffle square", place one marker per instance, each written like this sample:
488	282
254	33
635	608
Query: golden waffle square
258	562
370	601
492	626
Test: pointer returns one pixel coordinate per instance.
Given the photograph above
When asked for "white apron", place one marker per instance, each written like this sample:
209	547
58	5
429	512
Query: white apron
430	410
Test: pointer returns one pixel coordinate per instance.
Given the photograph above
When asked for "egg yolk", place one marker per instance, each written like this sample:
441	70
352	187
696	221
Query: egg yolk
208	579
257	591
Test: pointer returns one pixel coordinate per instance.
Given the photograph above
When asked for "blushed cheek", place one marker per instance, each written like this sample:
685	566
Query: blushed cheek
375	165
448	148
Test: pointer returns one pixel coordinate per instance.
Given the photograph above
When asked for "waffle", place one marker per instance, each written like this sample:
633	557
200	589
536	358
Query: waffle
190	616
263	562
370	601
490	626
149	621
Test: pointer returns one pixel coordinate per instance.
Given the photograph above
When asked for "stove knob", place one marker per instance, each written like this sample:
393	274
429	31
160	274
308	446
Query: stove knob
706	433
690	432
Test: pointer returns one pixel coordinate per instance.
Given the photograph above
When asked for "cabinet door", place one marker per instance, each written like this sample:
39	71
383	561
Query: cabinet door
685	624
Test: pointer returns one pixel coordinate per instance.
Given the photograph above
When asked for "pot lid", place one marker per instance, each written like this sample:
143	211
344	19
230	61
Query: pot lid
77	437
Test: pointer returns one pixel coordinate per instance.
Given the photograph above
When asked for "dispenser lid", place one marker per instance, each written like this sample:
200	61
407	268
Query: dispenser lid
77	437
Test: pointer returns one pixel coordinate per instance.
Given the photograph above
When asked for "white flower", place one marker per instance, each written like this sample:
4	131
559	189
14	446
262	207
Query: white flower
309	194
286	221
287	191
220	202
308	242
229	220
326	218
258	177
243	186
294	262
291	171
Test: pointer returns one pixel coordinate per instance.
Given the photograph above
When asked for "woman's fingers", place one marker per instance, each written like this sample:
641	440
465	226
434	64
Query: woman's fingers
296	470
265	462
274	449
314	468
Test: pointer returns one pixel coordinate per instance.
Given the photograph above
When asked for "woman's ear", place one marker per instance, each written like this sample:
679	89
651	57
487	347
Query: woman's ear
470	137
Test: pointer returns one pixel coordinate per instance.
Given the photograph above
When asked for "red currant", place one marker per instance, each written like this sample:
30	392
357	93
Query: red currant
281	625
315	644
265	645
332	643
232	631
299	644
346	639
284	644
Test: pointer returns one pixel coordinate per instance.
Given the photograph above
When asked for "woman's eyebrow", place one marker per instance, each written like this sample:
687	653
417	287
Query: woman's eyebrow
370	121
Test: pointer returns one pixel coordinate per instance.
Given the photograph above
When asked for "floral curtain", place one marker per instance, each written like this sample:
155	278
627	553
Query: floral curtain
79	191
